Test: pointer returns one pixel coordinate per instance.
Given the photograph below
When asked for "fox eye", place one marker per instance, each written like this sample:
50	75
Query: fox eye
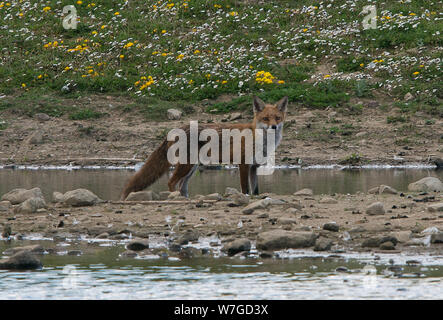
265	119
277	118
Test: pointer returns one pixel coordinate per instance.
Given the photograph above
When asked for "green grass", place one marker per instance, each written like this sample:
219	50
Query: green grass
199	57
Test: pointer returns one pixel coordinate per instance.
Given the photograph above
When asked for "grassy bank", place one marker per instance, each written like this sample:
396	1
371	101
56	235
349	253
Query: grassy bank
160	54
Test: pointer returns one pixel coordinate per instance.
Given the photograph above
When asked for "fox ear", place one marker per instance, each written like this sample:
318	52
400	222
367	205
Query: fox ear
282	105
258	104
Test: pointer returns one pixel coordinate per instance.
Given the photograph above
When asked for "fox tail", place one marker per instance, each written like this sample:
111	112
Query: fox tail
156	165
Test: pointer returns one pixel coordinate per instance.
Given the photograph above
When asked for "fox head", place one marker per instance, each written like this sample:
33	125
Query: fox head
269	116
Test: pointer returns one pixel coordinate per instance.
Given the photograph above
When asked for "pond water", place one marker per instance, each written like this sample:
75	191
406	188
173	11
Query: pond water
108	184
300	275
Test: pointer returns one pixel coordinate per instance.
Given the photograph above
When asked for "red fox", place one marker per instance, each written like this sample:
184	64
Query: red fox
266	116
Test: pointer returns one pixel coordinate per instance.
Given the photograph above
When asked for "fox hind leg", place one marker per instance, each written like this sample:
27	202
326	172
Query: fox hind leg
244	178
180	172
253	179
183	183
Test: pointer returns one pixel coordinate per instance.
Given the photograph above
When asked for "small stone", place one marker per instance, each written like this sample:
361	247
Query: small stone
75	253
142	196
408	97
286	221
36	138
304	192
231	191
37	249
174	195
80	198
328	200
5	206
387	190
261	204
375	208
174	114
373	104
42	117
282	239
426	184
437	237
187	237
235	116
128	254
213	196
332	226
17	196
57	197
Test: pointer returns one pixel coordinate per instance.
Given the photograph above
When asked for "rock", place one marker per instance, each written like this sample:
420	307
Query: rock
437	207
304	192
213	196
75	253
80	198
387	246
261	204
230	191
138	245
37	249
387	190
30	206
23	260
142	196
332	226
373	104
17	196
36	138
375	208
174	195
5	206
235	116
103	235
437	237
174	114
57	197
286	221
164	195
402	236
282	239
361	134
323	244
426	184
239	199
374	190
439	163
408	97
328	200
128	254
375	242
187	237
42	117
7	231
190	253
237	246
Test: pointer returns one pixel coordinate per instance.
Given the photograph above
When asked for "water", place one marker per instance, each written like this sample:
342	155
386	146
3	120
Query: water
108	184
303	275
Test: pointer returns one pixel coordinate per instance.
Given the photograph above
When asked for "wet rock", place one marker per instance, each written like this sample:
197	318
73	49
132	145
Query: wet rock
304	192
5	206
174	114
80	198
230	191
328	200
375	208
260	204
437	207
331	226
57	197
342	269
7	231
187	237
30	206
37	249
17	196
437	237
128	254
426	184
103	235
213	196
266	254
375	242
23	260
439	163
323	244
142	196
138	245
282	239
388	245
175	247
237	246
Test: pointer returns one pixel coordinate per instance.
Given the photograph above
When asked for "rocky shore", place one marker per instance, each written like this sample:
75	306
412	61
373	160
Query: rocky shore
381	221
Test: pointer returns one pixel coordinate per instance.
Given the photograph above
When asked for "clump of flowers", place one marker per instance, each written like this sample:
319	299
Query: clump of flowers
144	82
263	77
